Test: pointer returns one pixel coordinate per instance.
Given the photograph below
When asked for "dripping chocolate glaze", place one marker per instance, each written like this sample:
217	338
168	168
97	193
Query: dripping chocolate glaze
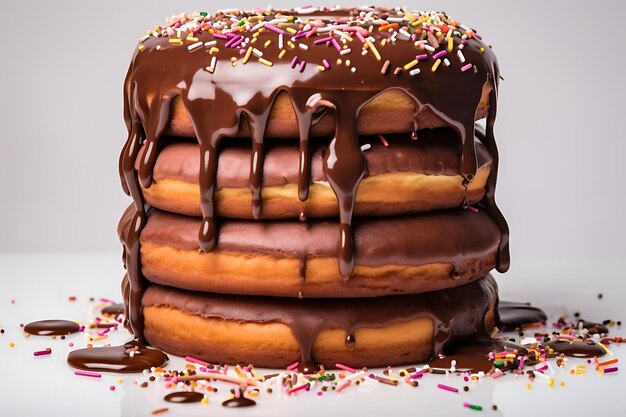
455	313
512	315
217	101
117	358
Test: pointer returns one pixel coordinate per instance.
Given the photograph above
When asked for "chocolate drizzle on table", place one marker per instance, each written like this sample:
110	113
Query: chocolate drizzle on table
51	328
219	94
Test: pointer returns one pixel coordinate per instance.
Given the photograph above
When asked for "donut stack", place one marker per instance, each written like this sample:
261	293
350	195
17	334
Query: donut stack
311	186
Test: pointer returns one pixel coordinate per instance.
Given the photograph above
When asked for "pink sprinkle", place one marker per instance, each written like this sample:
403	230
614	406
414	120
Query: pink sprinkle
336	44
343	386
220	36
418	374
105	331
42	352
71	344
293	366
543	368
107	300
522	359
89	374
274	28
567	336
360	37
323	40
21	324
345	368
294	61
296	389
497	373
447	388
232	41
440	54
237	392
302	66
609	370
198	361
472	208
319	393
81	329
421	56
311	32
224	369
112	387
325	63
466	67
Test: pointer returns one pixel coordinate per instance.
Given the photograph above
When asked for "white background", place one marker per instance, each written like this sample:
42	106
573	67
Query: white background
559	129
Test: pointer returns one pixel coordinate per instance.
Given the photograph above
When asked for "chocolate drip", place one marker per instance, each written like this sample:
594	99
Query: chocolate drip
239	402
455	313
302	268
473	355
113	309
305	120
133	356
512	315
51	327
578	349
503	260
184	397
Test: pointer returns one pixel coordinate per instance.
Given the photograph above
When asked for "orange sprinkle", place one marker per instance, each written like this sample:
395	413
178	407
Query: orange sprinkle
160	410
382	28
609	362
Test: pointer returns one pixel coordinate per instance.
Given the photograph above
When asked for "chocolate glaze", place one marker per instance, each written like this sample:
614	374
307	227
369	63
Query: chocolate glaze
512	315
216	102
51	327
455	312
579	349
239	402
448	236
436	153
117	358
113	309
184	397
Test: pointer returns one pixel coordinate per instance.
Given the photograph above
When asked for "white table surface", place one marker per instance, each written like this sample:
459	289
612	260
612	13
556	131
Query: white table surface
46	386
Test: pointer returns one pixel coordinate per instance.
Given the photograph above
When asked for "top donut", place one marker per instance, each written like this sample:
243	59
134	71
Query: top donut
401	71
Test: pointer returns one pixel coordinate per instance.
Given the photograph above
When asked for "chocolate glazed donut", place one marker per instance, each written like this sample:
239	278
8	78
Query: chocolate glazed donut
217	90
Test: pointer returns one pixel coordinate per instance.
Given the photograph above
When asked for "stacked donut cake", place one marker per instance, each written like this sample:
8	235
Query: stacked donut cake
311	186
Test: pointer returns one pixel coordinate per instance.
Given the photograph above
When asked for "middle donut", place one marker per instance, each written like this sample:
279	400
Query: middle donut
402	176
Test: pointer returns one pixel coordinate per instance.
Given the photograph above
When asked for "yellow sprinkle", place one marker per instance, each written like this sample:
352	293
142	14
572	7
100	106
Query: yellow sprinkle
603	346
321	68
233	59
253	40
482	49
373	49
247	55
256	34
410	65
234	63
176	41
436	65
282	53
213	50
141	47
291	30
562	383
551	383
265	62
528	386
347	62
450	44
192	39
210	69
267	43
204	401
383	42
339	61
253	393
371	29
580	371
11	344
291	44
120	381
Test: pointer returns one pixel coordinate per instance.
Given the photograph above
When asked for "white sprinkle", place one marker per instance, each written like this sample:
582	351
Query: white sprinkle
211	68
429	48
461	46
364	52
345	51
353	69
194	46
210	43
371	39
303	46
446	62
414	71
257	52
158	47
257	27
366	146
405	35
395	19
143	39
280	41
459	53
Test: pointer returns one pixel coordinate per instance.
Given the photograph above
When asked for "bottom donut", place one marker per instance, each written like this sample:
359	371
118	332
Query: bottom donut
276	332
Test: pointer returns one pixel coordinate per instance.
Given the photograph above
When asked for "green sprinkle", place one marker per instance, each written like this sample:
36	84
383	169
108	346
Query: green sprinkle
475	407
204	13
499	363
